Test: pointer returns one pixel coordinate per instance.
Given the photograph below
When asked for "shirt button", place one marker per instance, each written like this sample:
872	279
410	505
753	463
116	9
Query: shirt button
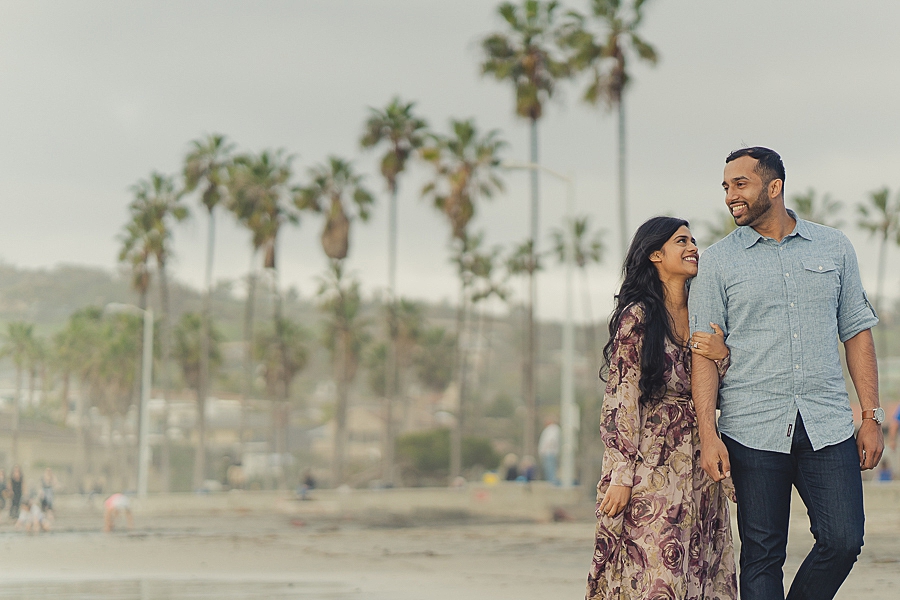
787	274
797	396
792	304
796	366
795	336
820	267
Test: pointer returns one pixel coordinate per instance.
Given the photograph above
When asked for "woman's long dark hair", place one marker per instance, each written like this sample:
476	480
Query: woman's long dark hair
641	285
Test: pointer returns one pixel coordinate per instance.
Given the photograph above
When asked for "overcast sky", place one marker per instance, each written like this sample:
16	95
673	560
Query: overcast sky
96	95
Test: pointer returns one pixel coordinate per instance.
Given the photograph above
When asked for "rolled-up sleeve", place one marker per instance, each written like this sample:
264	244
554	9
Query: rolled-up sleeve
706	302
855	312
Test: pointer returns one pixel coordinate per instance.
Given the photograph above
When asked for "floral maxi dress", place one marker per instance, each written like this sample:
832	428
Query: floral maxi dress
673	539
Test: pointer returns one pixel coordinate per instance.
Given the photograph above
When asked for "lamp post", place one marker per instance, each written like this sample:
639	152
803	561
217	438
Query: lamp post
146	382
568	415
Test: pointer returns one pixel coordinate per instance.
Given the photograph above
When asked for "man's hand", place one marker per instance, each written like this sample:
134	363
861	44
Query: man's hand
869	444
714	458
616	498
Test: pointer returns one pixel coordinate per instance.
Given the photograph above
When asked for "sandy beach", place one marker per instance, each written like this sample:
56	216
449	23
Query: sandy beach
289	549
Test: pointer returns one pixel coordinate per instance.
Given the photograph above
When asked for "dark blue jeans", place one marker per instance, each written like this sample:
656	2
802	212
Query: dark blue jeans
830	485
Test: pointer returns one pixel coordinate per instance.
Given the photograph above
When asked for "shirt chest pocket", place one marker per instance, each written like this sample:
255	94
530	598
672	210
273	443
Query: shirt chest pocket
820	281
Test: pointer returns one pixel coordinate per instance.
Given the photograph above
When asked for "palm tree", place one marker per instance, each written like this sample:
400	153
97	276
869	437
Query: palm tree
137	252
487	283
80	348
37	364
523	261
588	249
822	210
403	133
465	171
18	346
526	57
607	62
345	337
433	359
881	218
259	196
193	339
410	324
206	165
156	204
282	354
334	191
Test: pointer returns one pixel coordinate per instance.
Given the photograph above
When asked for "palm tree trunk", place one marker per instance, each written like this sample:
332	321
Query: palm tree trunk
590	453
80	437
66	377
15	424
390	378
623	201
461	356
282	411
248	354
166	347
340	433
203	379
882	256
529	372
139	370
32	376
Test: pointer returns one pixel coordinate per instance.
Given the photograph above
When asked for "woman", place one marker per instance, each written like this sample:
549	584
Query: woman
663	529
15	484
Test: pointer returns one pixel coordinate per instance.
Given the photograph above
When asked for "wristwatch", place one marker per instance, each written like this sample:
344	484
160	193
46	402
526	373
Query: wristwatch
876	414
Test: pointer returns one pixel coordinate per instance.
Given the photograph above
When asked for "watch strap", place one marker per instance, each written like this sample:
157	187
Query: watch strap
870	414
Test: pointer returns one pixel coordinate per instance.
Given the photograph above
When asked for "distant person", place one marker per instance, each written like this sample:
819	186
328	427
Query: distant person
115	506
548	450
527	469
894	430
31	518
4	490
235	476
48	485
510	467
307	485
15	486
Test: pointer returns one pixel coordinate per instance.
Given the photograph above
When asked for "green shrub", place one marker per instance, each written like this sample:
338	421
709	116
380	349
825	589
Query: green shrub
425	455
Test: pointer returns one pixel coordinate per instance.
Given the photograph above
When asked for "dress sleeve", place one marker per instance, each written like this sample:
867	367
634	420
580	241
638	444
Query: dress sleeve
620	423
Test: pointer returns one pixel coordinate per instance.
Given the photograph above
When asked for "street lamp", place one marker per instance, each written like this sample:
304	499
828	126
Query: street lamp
146	381
568	415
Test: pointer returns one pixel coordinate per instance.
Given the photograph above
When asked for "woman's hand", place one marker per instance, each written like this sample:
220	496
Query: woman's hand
710	345
616	498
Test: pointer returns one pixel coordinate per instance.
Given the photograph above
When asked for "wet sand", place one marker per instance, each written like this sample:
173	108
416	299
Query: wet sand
276	554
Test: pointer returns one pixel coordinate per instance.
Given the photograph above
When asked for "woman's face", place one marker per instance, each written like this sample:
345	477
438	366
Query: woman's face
679	255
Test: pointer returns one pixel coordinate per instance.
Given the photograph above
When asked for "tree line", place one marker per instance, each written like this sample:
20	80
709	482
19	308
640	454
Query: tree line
540	46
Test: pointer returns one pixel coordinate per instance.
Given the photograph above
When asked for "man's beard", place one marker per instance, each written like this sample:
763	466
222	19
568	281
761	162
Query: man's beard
759	208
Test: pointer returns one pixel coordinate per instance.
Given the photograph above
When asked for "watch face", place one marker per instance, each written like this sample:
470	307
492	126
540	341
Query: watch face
879	415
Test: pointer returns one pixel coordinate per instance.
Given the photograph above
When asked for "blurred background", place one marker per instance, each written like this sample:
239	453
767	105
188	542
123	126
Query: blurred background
345	223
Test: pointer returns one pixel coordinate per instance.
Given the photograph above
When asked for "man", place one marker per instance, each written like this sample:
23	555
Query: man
784	291
548	450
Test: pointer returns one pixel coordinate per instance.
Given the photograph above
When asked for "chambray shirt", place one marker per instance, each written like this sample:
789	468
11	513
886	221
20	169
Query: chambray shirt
783	307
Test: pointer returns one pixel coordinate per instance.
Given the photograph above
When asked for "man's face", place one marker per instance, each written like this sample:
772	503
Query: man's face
746	196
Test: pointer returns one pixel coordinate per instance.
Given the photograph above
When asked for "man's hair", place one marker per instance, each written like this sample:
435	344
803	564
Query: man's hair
768	166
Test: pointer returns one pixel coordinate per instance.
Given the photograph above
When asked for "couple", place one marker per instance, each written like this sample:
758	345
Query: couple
780	292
